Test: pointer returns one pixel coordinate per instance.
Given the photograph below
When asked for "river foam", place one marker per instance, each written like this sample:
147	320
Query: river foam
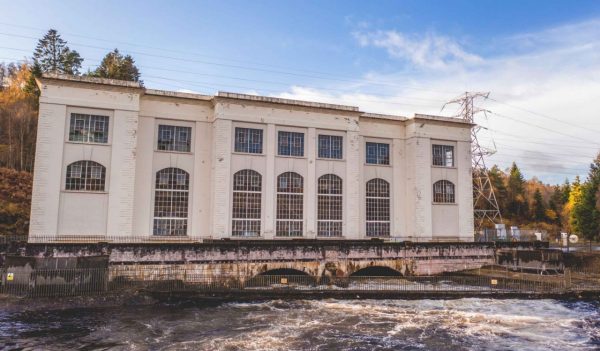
463	324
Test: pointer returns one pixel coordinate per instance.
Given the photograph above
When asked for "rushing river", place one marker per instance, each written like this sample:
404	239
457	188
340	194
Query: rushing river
464	324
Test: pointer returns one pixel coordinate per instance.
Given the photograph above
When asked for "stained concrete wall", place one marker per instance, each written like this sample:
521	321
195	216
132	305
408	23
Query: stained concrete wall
254	257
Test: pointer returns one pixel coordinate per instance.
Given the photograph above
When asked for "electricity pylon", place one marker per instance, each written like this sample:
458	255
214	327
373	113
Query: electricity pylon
485	205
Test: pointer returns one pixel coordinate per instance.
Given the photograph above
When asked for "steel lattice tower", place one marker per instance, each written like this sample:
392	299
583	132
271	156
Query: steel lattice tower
485	205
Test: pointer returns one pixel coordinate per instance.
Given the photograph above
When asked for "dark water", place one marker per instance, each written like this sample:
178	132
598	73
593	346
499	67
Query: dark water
465	324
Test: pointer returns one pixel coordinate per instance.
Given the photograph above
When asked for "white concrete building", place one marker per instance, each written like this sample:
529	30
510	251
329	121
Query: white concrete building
116	161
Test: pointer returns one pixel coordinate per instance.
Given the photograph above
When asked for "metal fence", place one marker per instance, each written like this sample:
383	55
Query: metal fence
7	239
101	281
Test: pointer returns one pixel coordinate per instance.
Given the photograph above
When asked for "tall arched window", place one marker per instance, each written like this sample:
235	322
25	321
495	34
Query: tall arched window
443	191
378	207
247	187
330	204
290	205
85	176
171	202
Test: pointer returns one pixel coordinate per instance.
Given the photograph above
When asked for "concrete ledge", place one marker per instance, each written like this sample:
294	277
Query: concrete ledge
274	100
92	80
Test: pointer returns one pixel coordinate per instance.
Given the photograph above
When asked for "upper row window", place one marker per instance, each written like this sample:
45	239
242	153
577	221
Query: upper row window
174	138
88	128
443	155
378	153
291	144
330	146
249	140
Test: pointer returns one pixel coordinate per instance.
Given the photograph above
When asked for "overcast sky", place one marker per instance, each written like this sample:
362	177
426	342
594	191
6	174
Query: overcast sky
540	60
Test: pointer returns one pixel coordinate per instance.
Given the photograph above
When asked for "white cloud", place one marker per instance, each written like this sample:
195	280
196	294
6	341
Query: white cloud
429	51
554	72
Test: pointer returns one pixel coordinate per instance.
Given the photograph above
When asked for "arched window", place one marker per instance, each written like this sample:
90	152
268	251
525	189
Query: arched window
443	191
247	187
171	202
378	207
330	204
85	176
290	205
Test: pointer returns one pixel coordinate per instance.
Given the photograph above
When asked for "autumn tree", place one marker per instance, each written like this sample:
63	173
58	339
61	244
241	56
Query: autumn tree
116	66
569	210
18	119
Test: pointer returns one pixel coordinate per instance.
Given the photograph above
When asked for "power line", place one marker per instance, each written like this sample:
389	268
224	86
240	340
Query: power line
545	128
544	116
314	76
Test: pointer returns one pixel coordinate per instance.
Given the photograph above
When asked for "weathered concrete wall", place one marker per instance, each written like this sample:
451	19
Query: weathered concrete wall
538	260
336	258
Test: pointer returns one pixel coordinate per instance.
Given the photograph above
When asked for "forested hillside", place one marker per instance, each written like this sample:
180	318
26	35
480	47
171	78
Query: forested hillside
15	201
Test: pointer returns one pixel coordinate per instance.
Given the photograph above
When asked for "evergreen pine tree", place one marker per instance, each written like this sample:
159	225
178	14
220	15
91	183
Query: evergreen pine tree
586	212
539	208
517	207
116	66
53	55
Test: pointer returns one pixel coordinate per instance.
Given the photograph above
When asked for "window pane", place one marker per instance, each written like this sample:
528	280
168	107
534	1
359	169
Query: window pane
248	140
330	146
378	208
246	208
290	144
443	155
171	200
443	192
290	205
85	175
329	206
378	153
88	128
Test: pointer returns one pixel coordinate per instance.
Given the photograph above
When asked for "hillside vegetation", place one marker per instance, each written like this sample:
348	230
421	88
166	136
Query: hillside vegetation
15	201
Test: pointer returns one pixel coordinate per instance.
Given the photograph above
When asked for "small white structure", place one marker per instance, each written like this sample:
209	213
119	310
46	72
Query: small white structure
116	161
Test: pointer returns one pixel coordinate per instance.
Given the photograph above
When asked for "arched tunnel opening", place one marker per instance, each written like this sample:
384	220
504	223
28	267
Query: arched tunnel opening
376	271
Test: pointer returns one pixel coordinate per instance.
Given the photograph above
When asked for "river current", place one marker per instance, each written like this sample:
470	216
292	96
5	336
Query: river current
463	324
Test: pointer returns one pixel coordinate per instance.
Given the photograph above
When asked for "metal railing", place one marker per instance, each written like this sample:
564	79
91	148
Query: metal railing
119	280
7	239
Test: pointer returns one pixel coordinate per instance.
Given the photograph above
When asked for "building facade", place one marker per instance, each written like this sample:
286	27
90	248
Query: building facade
116	161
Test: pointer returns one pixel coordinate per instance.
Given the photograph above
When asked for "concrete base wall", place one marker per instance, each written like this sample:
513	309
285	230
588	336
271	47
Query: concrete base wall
317	258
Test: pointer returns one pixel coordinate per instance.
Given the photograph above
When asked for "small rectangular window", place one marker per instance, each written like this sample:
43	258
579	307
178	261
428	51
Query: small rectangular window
443	155
290	144
330	146
88	128
174	138
248	140
378	153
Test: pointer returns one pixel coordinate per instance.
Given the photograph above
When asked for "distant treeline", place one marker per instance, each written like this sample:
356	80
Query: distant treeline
570	207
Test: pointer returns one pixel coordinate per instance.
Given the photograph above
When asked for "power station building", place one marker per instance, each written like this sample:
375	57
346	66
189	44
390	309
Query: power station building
118	162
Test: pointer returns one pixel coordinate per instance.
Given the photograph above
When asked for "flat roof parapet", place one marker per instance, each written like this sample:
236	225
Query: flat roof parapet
286	101
93	80
440	118
178	94
247	97
383	116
